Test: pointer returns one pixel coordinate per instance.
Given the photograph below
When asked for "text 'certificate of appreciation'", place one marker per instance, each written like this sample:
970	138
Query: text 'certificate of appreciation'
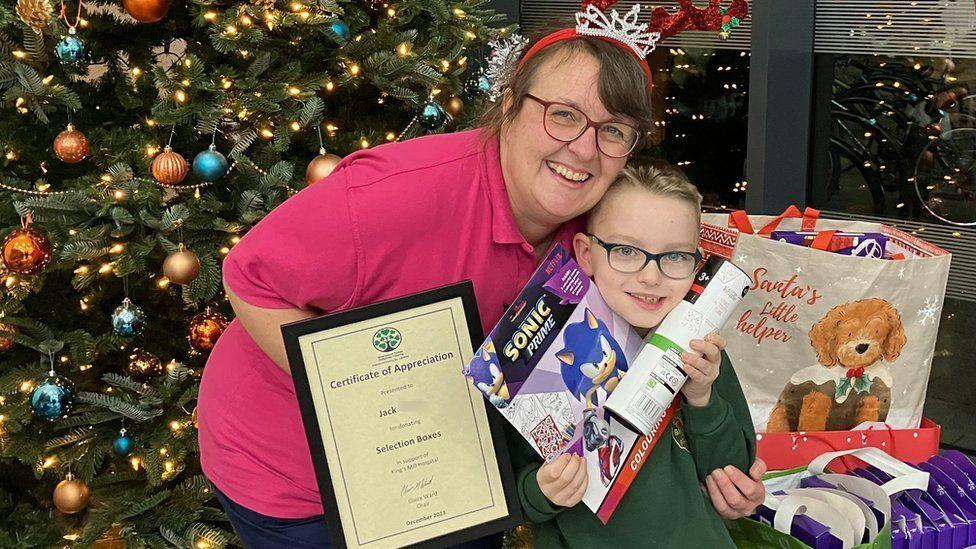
403	447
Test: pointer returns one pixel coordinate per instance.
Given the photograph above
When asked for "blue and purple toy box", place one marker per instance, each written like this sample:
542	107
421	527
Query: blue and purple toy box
548	367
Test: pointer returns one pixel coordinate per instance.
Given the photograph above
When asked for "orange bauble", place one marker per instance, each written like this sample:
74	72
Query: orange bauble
181	266
169	168
71	495
146	11
144	365
71	145
26	251
320	167
454	106
205	328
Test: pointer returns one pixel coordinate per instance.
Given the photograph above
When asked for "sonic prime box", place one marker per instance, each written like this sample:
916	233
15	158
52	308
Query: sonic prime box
549	365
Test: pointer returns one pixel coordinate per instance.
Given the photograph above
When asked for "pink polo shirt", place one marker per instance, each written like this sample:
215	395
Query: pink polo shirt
390	221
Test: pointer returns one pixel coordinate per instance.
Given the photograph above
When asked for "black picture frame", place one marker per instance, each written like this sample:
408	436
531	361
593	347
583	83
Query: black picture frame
292	332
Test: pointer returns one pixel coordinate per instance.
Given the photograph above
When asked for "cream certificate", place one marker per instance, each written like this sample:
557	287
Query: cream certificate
406	437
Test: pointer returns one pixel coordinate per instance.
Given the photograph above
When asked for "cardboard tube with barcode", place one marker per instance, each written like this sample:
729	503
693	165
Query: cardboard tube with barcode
656	374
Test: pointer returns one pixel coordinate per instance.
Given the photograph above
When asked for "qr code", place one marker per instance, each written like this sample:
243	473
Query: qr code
547	437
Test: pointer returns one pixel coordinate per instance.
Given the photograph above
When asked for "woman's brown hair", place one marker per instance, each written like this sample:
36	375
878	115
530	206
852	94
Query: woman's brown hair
622	86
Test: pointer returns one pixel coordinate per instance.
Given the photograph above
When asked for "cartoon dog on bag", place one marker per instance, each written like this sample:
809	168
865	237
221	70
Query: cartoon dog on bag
851	384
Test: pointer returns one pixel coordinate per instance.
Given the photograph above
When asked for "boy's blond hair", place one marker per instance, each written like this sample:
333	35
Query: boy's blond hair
657	177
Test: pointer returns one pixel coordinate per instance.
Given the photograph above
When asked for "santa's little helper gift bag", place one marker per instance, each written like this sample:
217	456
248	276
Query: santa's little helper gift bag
840	324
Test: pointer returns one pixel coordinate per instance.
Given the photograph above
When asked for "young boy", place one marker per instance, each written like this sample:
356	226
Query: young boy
640	250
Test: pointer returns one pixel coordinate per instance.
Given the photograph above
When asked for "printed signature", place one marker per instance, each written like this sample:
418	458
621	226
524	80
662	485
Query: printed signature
422	483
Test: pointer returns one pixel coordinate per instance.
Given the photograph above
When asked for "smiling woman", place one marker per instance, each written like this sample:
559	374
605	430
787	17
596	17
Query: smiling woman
549	176
481	205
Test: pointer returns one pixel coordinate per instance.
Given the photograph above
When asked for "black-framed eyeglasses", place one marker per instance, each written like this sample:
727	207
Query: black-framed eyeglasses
566	123
631	259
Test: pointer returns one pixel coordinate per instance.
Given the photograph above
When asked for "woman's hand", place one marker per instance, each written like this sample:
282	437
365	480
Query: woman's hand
563	480
735	495
702	370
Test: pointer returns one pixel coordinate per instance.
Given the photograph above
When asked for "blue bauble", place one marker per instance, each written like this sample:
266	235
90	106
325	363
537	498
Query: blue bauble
342	29
432	116
210	165
124	444
484	85
70	49
53	398
128	320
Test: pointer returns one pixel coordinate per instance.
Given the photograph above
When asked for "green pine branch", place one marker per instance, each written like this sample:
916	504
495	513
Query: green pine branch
145	505
111	200
91	458
76	436
129	384
135	412
115	477
94	417
207	284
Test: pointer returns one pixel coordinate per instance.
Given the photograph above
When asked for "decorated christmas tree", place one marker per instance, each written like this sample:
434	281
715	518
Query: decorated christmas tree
139	141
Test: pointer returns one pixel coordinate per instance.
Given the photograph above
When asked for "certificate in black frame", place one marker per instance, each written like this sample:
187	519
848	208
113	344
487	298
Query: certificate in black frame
292	333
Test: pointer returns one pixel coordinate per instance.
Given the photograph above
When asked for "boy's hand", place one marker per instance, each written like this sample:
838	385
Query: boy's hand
702	370
735	495
563	480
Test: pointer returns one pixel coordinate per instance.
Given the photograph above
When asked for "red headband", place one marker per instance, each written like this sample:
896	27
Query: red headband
628	34
569	34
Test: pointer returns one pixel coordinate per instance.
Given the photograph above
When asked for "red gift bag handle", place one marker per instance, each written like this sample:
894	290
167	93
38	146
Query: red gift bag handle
739	220
822	240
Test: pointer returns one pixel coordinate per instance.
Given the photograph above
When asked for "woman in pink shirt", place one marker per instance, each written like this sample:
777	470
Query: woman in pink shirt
402	218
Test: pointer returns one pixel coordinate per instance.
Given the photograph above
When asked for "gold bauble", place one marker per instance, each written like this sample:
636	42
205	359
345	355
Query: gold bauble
4	342
146	11
195	418
454	106
26	251
205	329
144	365
35	13
182	266
71	145
71	495
169	168
321	166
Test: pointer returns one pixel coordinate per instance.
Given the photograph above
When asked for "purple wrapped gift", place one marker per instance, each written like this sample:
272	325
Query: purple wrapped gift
804	528
817	482
962	462
957	474
854	244
949	494
936	533
906	530
938	495
933	519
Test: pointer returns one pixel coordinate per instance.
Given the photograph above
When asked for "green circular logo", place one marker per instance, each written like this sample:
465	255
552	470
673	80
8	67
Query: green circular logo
386	339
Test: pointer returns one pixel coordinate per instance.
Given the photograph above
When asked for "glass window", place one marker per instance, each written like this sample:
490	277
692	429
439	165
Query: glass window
701	106
901	138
